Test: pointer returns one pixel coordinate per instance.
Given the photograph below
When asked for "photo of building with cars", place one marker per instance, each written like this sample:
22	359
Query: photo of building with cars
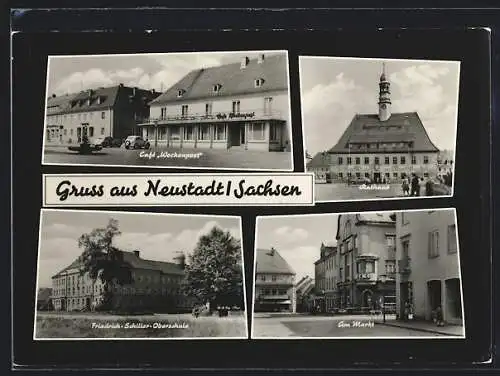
389	274
226	107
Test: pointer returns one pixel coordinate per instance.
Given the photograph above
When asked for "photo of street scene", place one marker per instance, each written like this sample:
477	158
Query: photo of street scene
116	275
224	110
377	128
366	275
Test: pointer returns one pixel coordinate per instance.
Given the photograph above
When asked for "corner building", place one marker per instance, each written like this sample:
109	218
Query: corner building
156	286
428	264
274	283
234	106
383	147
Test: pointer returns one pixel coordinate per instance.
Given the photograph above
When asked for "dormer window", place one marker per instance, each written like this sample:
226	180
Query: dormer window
99	100
217	88
259	82
88	102
180	93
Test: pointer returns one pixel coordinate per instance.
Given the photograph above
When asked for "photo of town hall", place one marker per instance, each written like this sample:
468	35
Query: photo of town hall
115	275
379	128
227	110
358	275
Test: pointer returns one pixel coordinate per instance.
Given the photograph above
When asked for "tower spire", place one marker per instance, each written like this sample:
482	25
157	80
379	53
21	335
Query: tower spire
384	97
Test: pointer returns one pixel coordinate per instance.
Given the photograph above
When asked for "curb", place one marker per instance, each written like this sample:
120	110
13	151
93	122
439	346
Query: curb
419	329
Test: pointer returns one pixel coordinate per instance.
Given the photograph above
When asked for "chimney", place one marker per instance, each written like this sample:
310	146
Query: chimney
53	95
134	91
153	91
137	254
180	260
244	62
121	84
260	59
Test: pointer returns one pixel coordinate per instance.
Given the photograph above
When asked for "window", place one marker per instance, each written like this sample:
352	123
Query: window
259	82
349	160
175	133
403	175
358	174
184	110
91	131
395	175
376	160
426	159
340	160
426	174
275	132
358	160
65	132
163	114
387	175
404	218
394	160
102	131
268	103
262	277
367	175
367	160
403	160
386	160
433	244
220	132
103	115
188	132
341	176
390	267
256	131
413	159
452	239
273	278
208	109
217	88
204	132
236	107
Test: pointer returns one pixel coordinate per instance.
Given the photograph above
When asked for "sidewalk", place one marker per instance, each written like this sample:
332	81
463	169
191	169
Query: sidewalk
424	326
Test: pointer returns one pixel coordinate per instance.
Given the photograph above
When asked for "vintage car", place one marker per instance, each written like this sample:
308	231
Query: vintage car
136	142
111	142
87	146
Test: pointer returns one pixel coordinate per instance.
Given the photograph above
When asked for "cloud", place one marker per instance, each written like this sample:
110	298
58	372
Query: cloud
328	110
291	235
301	259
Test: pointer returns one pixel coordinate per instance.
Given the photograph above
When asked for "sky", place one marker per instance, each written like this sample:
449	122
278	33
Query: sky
298	238
71	74
157	237
333	90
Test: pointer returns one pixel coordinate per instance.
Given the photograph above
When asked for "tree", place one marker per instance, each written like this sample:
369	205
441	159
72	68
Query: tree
214	272
101	260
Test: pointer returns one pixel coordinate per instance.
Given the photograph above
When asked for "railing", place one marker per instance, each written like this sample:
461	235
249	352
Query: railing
366	277
404	266
220	116
260	282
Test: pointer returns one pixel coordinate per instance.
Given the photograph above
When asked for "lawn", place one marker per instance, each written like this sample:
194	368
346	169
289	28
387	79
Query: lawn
69	325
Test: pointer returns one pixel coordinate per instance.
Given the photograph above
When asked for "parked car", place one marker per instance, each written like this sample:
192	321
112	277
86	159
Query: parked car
112	142
136	142
87	147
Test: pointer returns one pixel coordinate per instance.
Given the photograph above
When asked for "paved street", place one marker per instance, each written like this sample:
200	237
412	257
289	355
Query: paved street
209	158
353	326
342	191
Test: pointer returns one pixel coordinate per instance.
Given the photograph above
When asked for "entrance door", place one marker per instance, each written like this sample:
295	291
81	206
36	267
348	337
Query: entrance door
376	177
366	300
242	136
434	294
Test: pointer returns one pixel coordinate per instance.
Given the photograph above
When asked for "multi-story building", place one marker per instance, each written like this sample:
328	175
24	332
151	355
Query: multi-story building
274	283
304	292
383	147
240	105
326	276
428	264
155	285
366	260
106	111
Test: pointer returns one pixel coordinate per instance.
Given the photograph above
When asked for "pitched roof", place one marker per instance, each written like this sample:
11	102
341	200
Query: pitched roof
108	97
61	102
374	217
199	83
272	262
400	127
137	263
319	160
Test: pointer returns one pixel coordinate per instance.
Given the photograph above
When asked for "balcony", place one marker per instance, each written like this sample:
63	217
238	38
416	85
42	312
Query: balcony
210	118
404	266
366	278
283	283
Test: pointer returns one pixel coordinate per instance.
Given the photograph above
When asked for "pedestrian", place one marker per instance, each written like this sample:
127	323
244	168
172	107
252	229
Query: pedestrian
439	316
414	185
429	187
421	184
406	187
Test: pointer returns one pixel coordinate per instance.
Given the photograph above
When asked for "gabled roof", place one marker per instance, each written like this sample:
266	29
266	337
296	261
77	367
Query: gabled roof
136	263
400	127
269	261
319	160
374	217
59	102
233	80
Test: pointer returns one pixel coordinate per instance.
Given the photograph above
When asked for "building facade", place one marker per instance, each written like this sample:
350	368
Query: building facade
274	283
326	276
103	112
304	292
428	264
384	147
366	260
156	285
320	166
241	105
